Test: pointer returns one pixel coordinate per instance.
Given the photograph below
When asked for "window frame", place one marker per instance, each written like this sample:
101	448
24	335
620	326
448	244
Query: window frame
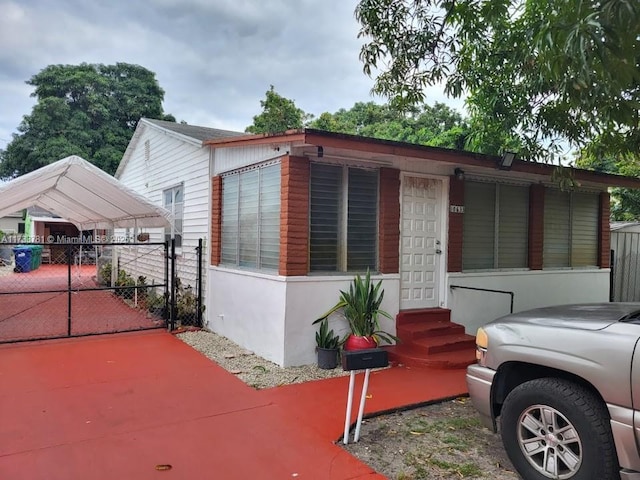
497	216
571	227
342	226
171	231
260	254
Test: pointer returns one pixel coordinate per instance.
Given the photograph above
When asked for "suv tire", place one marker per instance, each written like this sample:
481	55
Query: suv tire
556	429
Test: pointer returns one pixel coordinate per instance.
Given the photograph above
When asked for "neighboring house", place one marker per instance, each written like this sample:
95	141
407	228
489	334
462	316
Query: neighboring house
625	262
295	215
168	164
12	224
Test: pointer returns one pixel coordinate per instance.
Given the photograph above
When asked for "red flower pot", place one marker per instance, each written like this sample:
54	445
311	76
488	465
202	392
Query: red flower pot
355	342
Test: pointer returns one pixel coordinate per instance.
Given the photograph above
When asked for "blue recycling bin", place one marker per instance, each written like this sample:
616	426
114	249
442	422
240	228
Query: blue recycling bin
23	259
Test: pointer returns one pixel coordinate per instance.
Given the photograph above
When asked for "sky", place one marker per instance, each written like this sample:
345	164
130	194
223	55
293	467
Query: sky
215	59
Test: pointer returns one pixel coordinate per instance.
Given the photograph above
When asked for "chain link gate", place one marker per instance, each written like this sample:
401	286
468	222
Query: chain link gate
72	289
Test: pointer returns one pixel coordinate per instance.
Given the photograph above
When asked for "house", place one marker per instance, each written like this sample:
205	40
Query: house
168	164
295	215
12	223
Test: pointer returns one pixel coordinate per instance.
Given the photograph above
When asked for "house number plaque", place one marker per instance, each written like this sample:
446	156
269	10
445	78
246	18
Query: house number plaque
456	208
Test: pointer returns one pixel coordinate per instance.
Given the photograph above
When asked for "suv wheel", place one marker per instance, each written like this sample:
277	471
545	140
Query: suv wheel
557	429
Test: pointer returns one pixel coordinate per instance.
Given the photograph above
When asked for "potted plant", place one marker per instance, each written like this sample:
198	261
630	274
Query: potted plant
361	307
327	344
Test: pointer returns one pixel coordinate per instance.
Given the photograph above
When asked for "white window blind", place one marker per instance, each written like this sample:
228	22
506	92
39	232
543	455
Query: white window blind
251	218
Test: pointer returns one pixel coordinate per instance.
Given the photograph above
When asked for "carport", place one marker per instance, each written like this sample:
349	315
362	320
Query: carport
74	299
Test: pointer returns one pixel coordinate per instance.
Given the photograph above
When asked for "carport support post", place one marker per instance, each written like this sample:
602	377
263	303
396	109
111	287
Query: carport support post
69	289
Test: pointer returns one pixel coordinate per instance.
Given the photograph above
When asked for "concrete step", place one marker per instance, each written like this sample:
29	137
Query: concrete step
445	343
415	357
413	331
422	315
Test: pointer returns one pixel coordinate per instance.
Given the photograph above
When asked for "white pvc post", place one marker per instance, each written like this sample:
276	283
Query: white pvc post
363	399
347	417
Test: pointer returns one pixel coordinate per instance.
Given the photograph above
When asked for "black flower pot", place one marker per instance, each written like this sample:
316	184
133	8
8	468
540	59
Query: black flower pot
327	358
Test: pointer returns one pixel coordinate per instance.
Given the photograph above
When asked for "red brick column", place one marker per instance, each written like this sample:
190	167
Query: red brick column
216	219
536	226
389	229
604	231
456	197
294	216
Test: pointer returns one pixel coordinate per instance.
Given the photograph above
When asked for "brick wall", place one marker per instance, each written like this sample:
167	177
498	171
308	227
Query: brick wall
456	197
389	221
216	219
294	216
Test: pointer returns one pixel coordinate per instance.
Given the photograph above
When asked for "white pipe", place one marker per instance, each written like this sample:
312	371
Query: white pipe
363	399
347	417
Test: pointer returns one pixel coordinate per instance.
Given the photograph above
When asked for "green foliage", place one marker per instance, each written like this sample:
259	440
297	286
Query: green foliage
279	114
625	202
361	307
186	301
326	338
544	71
437	125
89	110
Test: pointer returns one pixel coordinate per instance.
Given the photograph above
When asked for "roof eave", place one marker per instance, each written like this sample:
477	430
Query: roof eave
401	149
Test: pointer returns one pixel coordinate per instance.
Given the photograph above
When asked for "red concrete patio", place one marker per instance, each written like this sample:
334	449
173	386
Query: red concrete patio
118	406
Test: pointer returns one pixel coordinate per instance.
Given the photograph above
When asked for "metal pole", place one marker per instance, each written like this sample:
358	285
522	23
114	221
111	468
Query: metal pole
165	313
199	283
173	285
68	289
347	417
363	398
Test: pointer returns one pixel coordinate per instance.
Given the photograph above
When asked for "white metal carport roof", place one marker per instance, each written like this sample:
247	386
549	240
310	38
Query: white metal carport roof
83	194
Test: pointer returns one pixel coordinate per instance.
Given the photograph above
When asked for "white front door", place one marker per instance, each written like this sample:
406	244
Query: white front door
421	246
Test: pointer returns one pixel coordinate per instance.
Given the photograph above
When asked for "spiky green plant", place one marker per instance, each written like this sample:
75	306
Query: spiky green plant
361	307
325	338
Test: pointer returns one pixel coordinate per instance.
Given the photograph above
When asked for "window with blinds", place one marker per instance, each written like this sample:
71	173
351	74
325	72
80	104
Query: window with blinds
251	218
343	218
570	229
173	201
495	226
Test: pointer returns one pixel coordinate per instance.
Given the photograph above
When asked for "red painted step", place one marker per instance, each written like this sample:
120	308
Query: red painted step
429	338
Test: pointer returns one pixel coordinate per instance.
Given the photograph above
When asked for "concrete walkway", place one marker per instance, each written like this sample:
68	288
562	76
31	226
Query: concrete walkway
122	406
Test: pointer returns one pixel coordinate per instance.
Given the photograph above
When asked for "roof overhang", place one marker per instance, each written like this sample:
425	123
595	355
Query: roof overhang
81	193
394	149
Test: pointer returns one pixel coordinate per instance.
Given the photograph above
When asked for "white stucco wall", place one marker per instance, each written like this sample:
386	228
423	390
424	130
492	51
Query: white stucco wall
532	289
259	311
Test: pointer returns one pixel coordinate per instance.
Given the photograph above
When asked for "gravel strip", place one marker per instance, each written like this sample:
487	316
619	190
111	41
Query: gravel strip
249	367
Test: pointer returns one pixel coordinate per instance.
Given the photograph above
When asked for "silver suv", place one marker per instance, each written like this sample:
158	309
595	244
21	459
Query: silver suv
565	384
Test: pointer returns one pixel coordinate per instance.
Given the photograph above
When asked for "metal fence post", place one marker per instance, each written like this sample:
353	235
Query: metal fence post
172	318
199	283
165	312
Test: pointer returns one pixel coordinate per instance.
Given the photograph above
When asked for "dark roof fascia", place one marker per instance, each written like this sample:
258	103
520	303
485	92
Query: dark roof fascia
391	147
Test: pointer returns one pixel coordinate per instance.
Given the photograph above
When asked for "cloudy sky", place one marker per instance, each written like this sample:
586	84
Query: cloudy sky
215	59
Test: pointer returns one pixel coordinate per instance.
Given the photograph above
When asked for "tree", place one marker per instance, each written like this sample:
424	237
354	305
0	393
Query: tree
279	114
546	71
88	110
437	125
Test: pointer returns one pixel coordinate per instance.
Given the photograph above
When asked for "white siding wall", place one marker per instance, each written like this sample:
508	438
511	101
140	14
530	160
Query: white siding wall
226	159
272	316
171	162
532	289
